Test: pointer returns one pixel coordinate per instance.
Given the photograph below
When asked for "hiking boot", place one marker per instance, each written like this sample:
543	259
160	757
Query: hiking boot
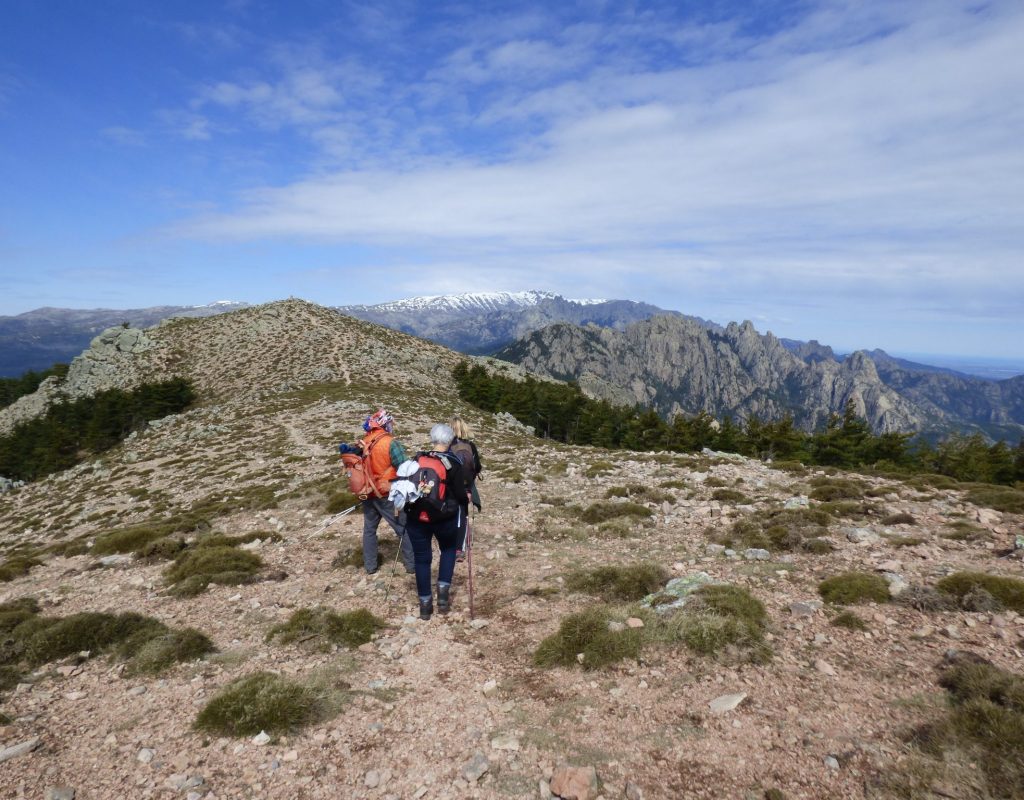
460	555
426	608
444	601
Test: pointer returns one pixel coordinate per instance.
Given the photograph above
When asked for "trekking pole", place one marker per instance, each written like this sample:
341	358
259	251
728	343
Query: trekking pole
469	564
394	567
333	519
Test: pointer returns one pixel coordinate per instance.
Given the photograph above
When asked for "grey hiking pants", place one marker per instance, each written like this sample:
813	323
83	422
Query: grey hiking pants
374	509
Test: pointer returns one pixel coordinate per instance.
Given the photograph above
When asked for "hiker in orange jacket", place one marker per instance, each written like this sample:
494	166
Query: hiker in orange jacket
383	454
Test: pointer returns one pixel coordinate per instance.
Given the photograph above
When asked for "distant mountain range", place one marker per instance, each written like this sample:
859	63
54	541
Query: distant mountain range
46	336
625	351
484	322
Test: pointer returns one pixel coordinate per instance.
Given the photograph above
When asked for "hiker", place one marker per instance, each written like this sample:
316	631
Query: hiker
465	449
437	495
382	453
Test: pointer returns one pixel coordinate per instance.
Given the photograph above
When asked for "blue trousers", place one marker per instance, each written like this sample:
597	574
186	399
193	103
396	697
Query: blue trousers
421	534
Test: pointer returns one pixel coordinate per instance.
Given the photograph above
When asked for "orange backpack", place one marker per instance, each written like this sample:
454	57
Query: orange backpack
361	480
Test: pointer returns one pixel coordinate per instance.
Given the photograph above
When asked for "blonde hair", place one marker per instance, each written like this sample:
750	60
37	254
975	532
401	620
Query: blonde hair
461	428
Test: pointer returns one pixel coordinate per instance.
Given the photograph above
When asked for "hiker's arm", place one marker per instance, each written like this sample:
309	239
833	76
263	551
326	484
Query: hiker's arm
397	453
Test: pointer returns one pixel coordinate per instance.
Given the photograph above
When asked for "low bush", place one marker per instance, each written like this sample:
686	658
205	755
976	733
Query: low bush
588	633
850	621
829	489
323	628
164	650
963	531
1009	592
646	494
16	567
781	529
925	598
730	496
1000	498
127	540
900	518
598	468
196	568
340	501
163	549
631	582
854	587
720	620
260	702
602	511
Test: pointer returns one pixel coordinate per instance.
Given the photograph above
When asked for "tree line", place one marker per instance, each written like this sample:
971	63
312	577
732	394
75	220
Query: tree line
13	388
562	412
72	431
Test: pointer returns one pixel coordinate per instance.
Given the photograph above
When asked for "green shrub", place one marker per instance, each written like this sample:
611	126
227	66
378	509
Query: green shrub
223	540
159	652
340	501
1000	498
92	631
161	549
906	541
260	702
16	567
966	682
127	540
598	468
792	467
714	482
850	621
632	582
602	511
781	529
587	632
721	620
829	489
901	518
647	494
854	587
926	480
324	627
10	677
196	568
963	531
1008	591
925	598
730	496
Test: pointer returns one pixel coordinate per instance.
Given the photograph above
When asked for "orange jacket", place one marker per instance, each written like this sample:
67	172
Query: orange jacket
377	447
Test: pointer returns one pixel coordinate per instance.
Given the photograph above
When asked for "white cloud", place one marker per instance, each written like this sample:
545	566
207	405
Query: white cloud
121	135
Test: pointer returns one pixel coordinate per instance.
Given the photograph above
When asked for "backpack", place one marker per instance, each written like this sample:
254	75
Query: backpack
468	455
360	478
436	503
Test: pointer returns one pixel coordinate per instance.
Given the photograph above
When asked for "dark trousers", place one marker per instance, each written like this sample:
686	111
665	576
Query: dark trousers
421	534
374	510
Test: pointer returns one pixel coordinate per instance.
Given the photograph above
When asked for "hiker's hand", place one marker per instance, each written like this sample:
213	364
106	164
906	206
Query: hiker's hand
478	506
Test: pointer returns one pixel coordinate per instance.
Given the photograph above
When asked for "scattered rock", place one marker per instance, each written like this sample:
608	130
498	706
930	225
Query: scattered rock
18	749
805	608
825	668
261	738
832	762
635	622
60	793
372	779
861	536
574	783
475	768
490	688
727	702
145	755
800	501
633	792
477	624
505	742
756	554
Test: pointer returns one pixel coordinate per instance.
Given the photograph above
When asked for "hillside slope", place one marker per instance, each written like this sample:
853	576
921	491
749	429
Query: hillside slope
822	717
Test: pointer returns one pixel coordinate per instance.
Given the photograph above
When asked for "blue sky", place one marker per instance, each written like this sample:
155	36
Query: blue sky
847	171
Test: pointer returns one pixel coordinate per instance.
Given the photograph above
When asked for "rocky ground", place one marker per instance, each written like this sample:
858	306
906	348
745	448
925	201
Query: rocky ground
455	707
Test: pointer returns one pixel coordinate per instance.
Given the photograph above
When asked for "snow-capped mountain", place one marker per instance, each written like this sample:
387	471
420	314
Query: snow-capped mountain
482	322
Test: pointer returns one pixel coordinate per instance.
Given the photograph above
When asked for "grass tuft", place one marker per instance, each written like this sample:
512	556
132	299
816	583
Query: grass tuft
900	518
854	587
587	632
260	702
831	489
1009	592
631	582
324	628
781	529
602	511
160	652
16	567
195	569
850	621
719	620
1000	498
927	599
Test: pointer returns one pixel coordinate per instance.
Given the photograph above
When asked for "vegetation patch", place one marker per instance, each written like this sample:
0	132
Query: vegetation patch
322	628
900	518
792	529
963	531
964	586
719	620
631	582
599	468
850	621
927	599
730	496
854	587
830	489
164	650
340	501
197	568
17	566
906	541
644	494
586	639
261	702
1000	498
984	726
602	511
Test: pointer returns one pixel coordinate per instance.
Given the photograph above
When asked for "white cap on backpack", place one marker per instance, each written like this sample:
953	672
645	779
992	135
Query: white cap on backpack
441	434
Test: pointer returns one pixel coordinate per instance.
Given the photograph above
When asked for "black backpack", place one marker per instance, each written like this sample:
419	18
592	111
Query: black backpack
468	455
437	502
